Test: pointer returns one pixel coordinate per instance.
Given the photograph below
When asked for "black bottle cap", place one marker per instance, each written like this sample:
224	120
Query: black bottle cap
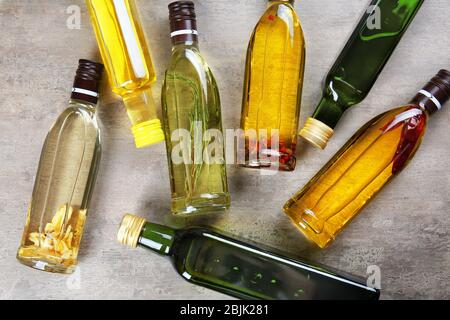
183	22
87	81
435	93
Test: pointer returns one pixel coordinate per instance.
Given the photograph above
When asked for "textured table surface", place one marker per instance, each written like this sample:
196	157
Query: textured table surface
404	231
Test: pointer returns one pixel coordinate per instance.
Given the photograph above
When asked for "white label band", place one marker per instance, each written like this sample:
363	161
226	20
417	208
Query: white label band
185	31
85	92
432	98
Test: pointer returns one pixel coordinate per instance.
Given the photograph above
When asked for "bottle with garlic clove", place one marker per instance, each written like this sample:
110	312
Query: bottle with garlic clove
65	180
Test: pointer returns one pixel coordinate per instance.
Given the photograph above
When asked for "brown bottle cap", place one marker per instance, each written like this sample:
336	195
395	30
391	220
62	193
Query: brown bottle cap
183	23
87	81
435	93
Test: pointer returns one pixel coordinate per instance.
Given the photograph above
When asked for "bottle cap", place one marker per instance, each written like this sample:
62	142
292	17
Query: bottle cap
317	133
130	230
183	22
87	81
435	93
147	133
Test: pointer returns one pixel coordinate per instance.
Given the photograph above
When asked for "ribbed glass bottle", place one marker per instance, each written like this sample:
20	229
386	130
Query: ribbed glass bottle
273	89
192	122
365	164
127	60
65	180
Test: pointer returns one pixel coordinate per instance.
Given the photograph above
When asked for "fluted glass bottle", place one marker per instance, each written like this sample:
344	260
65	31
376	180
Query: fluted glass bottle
273	89
367	162
65	180
127	60
359	64
208	258
192	122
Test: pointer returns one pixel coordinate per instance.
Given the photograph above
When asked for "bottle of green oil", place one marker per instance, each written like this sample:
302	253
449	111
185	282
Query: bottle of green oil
208	258
359	64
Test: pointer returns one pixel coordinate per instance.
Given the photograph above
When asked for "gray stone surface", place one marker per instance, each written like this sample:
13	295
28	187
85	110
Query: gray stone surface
404	230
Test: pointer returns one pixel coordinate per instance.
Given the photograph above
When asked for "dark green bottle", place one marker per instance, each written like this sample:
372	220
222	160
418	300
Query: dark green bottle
359	64
210	259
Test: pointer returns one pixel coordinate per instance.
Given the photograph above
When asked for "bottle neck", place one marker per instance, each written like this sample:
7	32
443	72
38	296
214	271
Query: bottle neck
87	82
185	44
183	22
184	32
329	112
157	238
427	100
435	93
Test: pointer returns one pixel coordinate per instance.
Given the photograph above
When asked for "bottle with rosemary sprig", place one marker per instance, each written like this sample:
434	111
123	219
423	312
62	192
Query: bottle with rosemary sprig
192	122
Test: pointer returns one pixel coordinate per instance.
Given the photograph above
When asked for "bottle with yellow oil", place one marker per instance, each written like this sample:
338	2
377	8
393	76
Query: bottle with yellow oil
272	88
377	153
128	63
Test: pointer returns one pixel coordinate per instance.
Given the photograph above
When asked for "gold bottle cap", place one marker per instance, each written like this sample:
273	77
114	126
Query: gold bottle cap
317	133
130	230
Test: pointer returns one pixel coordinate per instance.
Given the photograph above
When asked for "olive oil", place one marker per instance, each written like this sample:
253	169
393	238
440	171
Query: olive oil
273	88
359	64
370	159
208	258
127	60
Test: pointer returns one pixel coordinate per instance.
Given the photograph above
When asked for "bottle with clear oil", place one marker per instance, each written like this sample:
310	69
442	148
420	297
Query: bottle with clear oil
273	88
127	60
191	105
376	154
65	180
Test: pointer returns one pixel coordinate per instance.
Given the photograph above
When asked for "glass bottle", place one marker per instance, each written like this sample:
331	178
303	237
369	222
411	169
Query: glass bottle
128	63
65	180
192	122
359	64
273	88
370	159
207	258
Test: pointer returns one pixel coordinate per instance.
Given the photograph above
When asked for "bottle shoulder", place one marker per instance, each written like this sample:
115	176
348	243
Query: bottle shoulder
408	110
77	113
281	12
279	24
189	66
283	6
183	241
185	56
80	105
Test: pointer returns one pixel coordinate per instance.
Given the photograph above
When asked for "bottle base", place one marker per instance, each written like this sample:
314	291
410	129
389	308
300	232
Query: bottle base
203	204
46	265
286	163
322	239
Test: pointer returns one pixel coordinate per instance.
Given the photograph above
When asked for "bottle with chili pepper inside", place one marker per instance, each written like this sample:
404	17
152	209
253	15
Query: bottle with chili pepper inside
366	163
